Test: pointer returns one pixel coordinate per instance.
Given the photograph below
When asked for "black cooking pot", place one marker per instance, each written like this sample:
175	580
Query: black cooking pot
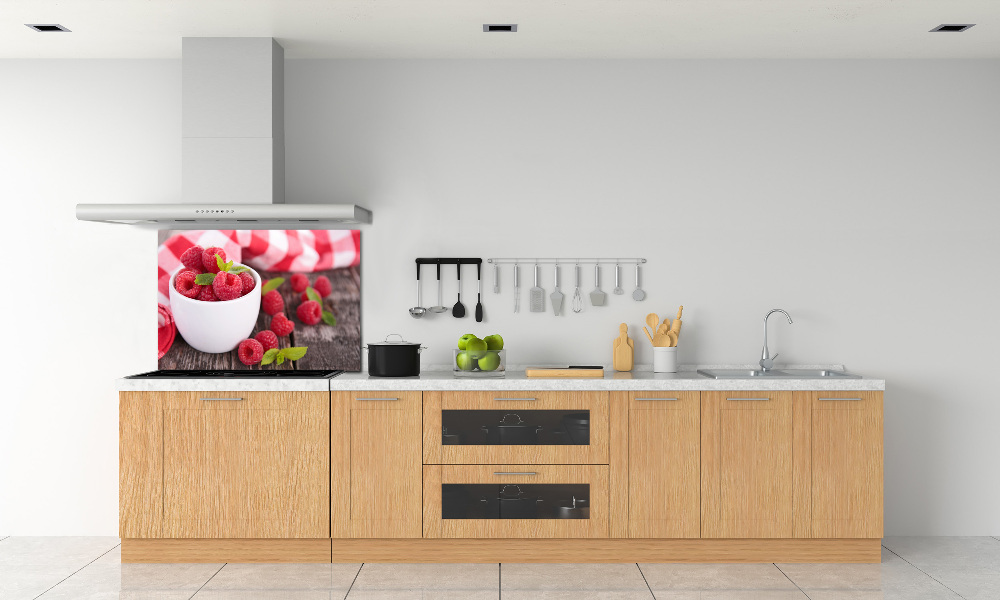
394	359
514	431
515	504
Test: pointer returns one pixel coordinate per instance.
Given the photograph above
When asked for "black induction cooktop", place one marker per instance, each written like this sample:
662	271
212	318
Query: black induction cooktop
239	374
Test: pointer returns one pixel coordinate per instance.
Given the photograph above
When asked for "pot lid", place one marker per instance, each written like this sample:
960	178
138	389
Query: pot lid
387	342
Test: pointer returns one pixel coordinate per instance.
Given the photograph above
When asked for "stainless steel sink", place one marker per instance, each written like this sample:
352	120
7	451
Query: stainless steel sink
777	374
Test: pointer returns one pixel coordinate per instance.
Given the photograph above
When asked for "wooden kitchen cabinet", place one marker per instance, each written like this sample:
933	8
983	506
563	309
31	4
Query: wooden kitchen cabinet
233	464
841	472
663	464
375	482
746	465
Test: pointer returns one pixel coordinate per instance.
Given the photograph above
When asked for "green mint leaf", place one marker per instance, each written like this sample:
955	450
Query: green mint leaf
226	267
328	318
204	278
281	358
293	353
271	285
220	263
314	295
238	269
269	356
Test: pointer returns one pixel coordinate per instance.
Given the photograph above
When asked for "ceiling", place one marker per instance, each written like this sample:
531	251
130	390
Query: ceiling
546	28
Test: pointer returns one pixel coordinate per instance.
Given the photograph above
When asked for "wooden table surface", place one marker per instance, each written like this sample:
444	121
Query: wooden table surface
330	347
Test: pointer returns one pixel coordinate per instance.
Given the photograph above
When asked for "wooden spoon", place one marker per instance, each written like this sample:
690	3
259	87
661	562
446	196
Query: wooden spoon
661	339
649	336
673	338
653	321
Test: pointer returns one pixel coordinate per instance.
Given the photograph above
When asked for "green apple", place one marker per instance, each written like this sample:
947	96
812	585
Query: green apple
494	342
462	341
465	361
490	361
476	347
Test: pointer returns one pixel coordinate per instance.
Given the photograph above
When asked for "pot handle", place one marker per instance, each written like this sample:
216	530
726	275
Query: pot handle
421	349
394	334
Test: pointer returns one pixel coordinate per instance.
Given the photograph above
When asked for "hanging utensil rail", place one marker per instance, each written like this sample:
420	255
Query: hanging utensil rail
566	261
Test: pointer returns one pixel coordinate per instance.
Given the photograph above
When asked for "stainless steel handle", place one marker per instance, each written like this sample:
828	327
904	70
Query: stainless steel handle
225	399
377	399
845	399
657	399
515	399
514	473
757	399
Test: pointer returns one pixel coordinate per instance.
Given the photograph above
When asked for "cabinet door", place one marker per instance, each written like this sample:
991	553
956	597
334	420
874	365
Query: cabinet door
140	468
246	465
746	457
663	457
847	464
376	465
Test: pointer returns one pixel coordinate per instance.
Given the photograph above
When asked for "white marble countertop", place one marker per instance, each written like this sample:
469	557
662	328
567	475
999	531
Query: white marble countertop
640	379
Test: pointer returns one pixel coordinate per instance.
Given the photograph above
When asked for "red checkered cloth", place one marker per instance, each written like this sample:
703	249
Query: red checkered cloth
296	250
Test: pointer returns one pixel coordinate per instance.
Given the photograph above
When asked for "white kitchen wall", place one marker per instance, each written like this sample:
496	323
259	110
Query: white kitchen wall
861	196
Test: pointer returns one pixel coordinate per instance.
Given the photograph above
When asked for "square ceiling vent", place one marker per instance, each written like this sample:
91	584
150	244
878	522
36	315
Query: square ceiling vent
47	27
956	28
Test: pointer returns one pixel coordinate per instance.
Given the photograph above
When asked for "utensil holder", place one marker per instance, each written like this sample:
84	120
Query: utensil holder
664	359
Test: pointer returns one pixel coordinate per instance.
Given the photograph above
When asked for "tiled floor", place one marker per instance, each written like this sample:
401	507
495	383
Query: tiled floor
90	569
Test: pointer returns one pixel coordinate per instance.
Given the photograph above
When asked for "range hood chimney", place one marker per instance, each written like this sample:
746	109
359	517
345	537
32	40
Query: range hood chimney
233	144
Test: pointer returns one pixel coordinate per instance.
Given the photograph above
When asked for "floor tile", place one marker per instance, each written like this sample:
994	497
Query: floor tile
971	584
958	552
271	594
565	581
840	577
24	582
335	577
166	577
63	551
665	577
426	582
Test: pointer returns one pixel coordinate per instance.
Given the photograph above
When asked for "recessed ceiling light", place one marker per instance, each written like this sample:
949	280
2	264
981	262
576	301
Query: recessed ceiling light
952	27
48	27
507	27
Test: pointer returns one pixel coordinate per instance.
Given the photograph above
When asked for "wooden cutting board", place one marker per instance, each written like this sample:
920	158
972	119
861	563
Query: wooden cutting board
564	372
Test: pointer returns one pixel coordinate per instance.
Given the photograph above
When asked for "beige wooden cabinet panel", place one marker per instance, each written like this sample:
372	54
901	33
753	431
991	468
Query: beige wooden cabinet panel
663	465
596	403
245	465
746	458
140	469
847	464
376	467
596	476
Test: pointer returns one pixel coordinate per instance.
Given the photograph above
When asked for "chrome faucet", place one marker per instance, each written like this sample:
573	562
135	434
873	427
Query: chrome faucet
766	360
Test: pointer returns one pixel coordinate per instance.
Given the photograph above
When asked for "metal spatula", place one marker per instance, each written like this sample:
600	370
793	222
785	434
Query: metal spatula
597	297
536	296
556	296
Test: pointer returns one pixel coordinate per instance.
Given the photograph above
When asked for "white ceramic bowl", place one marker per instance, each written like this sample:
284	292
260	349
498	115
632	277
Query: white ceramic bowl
215	327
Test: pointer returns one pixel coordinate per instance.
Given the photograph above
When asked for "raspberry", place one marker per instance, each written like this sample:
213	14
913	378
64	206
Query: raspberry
207	294
185	285
272	303
251	352
282	325
192	258
248	283
299	282
309	312
208	259
322	286
227	286
304	297
267	339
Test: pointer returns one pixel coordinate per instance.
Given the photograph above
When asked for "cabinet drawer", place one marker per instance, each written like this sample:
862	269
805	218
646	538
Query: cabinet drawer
516	427
239	400
515	501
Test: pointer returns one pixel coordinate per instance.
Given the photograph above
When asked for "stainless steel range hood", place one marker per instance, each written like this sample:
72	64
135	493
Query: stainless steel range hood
233	145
